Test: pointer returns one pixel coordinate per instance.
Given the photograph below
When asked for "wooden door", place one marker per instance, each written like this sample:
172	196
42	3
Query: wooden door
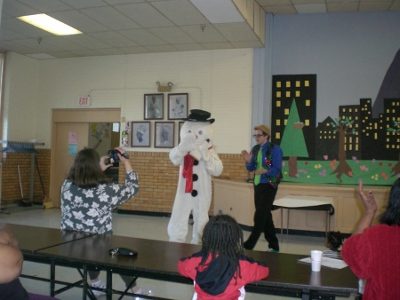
70	138
70	133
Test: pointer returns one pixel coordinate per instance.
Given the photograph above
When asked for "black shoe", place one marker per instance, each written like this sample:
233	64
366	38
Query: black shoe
273	247
247	246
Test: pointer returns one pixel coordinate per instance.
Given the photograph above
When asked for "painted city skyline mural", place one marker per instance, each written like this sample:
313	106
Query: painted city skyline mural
358	141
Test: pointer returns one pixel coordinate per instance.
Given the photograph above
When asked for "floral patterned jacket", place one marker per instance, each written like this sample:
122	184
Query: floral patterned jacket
90	209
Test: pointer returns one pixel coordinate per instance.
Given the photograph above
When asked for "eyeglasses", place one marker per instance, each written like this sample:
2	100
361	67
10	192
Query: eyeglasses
258	135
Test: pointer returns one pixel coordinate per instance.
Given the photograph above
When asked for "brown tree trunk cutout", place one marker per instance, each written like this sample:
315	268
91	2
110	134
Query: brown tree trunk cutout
343	167
292	166
396	168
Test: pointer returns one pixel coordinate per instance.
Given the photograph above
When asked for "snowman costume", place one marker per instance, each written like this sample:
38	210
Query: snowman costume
198	161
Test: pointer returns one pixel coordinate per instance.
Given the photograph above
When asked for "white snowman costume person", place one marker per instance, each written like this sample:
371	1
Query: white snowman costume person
198	161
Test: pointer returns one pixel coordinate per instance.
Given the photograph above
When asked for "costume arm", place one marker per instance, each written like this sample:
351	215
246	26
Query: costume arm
176	156
186	145
11	258
213	163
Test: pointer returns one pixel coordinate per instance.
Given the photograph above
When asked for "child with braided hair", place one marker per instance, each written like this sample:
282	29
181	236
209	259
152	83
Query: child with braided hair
220	270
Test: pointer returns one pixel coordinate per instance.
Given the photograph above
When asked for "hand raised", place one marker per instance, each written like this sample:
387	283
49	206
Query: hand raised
368	198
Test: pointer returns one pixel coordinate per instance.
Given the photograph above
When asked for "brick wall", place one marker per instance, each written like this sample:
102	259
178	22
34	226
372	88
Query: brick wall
158	178
11	192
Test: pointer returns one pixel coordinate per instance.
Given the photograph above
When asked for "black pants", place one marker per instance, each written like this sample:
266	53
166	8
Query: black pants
264	196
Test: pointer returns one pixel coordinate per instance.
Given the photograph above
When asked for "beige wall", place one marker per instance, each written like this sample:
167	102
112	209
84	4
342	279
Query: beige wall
20	98
219	81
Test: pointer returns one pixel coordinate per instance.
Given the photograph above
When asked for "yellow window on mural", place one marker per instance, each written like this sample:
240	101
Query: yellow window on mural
307	122
297	93
287	94
288	84
285	122
306	83
308	102
286	112
297	83
278	94
278	135
278	103
278	122
278	84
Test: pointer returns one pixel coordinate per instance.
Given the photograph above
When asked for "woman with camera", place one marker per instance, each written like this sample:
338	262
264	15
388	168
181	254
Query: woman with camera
88	196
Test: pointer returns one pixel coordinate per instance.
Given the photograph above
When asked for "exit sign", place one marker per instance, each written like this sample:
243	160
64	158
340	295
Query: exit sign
84	101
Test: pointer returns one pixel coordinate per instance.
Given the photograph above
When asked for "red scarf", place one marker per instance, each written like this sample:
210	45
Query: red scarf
187	172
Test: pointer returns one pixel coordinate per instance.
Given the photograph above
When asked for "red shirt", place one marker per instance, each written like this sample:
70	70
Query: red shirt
250	271
374	255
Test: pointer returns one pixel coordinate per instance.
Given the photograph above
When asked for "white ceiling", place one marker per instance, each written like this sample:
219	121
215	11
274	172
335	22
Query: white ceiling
141	26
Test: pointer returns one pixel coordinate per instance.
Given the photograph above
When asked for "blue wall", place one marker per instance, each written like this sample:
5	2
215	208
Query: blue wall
350	53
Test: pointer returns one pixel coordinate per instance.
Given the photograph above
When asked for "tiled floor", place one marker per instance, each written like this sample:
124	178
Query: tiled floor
141	227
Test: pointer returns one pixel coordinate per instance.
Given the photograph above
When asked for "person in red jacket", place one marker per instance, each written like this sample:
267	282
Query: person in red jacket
220	270
373	252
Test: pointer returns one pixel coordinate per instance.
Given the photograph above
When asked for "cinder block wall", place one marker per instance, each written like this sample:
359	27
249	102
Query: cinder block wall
11	191
158	178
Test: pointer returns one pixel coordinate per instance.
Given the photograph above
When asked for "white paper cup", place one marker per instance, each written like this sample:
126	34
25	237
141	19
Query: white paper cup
316	257
315	265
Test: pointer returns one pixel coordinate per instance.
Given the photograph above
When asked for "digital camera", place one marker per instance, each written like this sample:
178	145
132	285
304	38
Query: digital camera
113	156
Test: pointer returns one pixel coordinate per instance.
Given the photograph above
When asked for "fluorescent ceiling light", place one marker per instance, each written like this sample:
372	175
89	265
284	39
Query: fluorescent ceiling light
49	24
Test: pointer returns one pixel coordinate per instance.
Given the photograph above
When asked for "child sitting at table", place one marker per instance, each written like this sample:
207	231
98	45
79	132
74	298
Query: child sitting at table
220	270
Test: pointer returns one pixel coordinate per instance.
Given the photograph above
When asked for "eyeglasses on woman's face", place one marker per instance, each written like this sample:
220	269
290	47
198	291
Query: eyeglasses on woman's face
258	135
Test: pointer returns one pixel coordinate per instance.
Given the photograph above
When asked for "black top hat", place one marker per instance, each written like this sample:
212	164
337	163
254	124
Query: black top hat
198	115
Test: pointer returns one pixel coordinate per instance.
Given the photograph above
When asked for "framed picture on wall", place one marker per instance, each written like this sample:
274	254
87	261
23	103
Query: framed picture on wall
140	134
180	124
164	134
153	106
178	106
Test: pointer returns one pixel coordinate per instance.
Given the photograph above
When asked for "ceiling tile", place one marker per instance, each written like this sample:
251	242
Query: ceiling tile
78	4
171	35
110	18
180	12
374	5
116	2
142	37
41	56
274	2
45	6
395	5
79	21
295	2
248	44
188	47
205	33
211	46
161	48
310	8
23	28
350	6
16	9
113	39
87	41
238	32
144	14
